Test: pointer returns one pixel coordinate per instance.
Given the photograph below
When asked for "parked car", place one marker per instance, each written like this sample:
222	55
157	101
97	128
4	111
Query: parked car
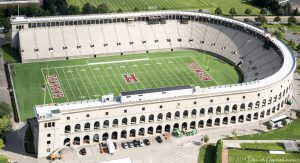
124	145
158	139
135	143
141	143
146	141
82	151
115	144
130	144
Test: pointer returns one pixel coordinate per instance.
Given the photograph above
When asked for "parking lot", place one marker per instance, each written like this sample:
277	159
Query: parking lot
169	151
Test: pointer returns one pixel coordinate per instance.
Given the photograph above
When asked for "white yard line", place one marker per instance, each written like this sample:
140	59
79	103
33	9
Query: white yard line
68	83
99	85
121	61
95	95
82	82
109	79
164	76
81	96
60	83
170	68
47	86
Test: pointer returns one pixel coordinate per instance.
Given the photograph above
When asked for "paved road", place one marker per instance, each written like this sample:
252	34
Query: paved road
270	19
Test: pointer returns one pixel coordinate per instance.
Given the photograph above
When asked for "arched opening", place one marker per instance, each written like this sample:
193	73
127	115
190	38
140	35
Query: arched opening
76	140
257	104
241	118
264	102
242	107
176	126
250	105
86	139
150	130
159	117
268	112
106	124
96	138
114	135
194	113
132	133
184	126
226	109
234	108
255	116
282	103
68	129
193	125
201	124
115	123
151	118
233	120
248	117
124	134
168	116
133	120
142	119
278	106
177	115
209	123
270	101
124	121
202	112
67	142
274	109
279	96
225	120
77	127
167	128
185	114
210	110
217	122
87	126
104	136
96	125
262	114
218	111
141	132
159	129
275	98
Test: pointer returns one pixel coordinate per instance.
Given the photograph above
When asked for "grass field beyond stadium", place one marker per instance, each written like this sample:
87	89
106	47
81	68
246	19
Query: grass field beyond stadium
85	79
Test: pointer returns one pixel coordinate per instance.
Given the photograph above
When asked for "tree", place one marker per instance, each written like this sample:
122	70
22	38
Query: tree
61	6
119	10
219	148
298	112
205	138
248	11
280	11
102	8
288	10
298	49
292	20
284	122
263	11
232	11
296	12
1	144
279	34
5	110
277	19
269	125
261	19
136	9
292	44
88	9
218	11
73	10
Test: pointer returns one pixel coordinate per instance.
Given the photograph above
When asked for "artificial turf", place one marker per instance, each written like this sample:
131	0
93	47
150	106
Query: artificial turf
86	79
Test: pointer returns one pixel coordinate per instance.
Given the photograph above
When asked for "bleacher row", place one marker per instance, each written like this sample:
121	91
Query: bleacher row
115	38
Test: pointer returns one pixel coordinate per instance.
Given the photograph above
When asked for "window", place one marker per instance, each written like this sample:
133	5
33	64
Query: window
125	111
48	135
87	115
211	100
143	108
48	142
53	124
244	97
258	94
160	106
49	124
195	102
68	118
48	149
45	125
271	90
106	113
227	98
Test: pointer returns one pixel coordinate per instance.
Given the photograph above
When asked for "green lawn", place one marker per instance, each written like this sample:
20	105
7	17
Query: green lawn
253	156
3	159
10	55
210	5
86	79
207	154
292	28
263	146
291	131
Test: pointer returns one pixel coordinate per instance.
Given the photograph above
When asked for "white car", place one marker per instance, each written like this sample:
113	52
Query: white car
125	145
141	143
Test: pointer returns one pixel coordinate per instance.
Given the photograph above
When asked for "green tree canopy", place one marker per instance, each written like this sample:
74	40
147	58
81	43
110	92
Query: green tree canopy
248	11
218	11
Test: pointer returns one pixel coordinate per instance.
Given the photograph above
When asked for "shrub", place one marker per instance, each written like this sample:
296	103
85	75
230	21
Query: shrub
205	138
263	11
284	122
279	34
269	125
277	19
232	11
292	20
248	11
219	147
218	11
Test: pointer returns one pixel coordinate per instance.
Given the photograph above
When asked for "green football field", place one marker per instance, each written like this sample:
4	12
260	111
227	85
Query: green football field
208	5
85	79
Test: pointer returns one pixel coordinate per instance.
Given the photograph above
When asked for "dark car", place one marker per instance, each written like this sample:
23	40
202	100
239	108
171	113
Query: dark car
158	139
130	144
82	151
146	141
136	143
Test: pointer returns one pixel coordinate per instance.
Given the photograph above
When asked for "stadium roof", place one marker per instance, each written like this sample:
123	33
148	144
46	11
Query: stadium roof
155	90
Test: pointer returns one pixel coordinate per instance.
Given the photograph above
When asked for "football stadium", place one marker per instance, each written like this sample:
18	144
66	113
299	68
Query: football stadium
89	78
